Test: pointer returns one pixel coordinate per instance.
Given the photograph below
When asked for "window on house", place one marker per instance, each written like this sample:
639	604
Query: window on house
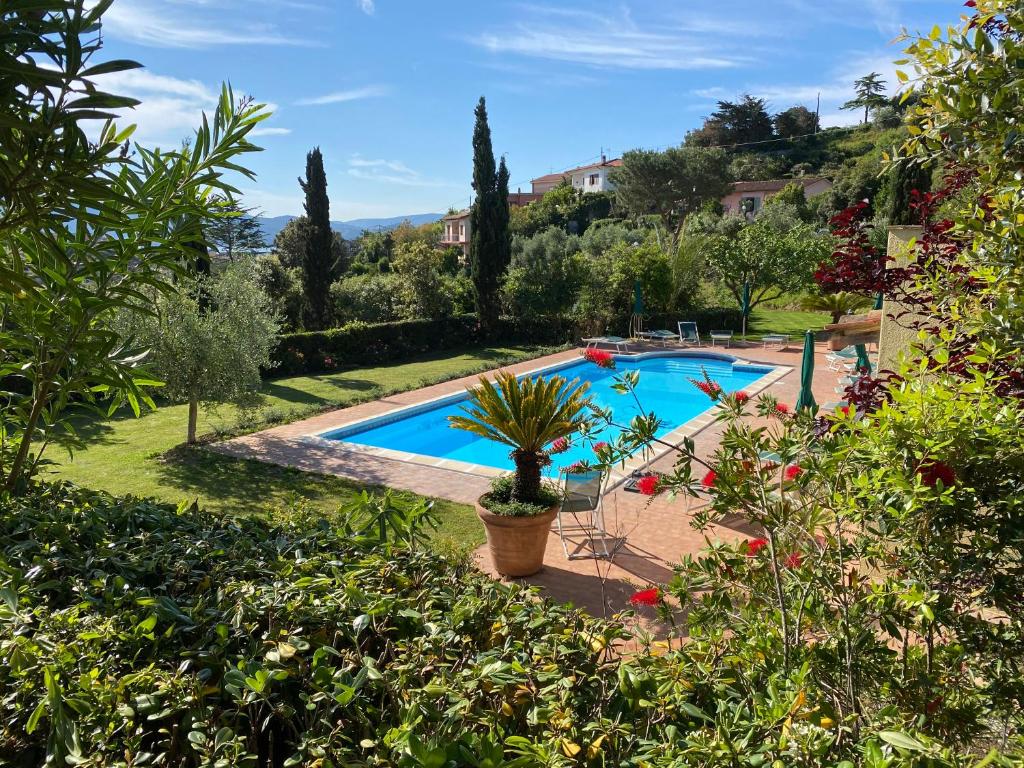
462	230
594	178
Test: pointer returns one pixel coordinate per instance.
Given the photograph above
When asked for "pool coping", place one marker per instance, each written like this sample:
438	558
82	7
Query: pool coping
667	443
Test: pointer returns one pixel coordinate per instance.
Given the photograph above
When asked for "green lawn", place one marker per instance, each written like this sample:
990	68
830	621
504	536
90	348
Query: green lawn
141	456
793	322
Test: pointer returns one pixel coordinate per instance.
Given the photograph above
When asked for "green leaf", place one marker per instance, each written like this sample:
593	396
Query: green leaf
902	741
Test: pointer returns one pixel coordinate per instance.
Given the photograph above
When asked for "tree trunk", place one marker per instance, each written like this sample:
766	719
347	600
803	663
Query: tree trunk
835	317
526	483
193	417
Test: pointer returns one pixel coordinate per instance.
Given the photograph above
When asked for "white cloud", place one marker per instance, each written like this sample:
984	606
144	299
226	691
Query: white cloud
367	6
269	131
615	42
339	97
149	23
171	108
392	172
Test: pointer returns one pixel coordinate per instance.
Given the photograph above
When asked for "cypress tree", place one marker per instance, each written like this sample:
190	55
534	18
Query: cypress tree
903	179
317	259
490	243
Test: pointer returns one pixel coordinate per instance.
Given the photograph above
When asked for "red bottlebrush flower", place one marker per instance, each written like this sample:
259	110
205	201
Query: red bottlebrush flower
709	479
769	466
599	357
650	597
648	485
708	387
559	445
600	446
754	546
576	469
781	409
794	560
741	397
935	471
793	471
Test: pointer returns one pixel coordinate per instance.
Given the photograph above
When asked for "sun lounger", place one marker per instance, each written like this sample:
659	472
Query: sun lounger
688	333
620	344
663	336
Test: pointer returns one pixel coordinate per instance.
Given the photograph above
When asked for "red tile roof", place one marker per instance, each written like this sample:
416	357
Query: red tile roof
559	176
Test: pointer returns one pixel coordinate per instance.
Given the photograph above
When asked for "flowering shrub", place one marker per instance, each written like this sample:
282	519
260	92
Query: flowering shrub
754	546
883	588
599	357
648	485
559	445
708	386
649	597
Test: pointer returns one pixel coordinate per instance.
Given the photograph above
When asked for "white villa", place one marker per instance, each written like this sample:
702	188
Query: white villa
589	178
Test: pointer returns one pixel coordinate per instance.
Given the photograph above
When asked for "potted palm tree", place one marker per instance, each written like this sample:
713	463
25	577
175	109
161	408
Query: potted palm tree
527	415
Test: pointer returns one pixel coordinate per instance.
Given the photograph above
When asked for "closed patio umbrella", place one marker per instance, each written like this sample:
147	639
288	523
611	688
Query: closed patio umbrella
879	300
806	398
636	324
863	363
745	306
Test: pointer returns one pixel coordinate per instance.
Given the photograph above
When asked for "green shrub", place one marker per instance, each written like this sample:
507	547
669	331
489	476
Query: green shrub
134	633
498	500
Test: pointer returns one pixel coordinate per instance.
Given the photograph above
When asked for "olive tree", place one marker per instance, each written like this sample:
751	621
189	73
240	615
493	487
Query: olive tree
210	340
770	261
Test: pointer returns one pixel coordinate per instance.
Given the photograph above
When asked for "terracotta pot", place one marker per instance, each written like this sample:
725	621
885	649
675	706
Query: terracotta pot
516	544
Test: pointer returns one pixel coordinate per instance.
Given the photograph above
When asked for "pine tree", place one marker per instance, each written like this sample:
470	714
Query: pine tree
318	261
869	90
490	244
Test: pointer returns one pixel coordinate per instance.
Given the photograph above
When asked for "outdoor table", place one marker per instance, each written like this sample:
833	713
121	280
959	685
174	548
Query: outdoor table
781	340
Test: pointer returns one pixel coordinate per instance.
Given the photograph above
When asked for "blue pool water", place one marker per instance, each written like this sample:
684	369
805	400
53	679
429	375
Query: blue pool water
665	389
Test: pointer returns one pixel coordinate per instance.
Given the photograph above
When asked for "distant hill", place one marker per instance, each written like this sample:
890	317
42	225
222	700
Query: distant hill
350	229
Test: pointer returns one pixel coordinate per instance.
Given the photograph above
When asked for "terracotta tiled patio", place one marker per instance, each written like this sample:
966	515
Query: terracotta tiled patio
657	532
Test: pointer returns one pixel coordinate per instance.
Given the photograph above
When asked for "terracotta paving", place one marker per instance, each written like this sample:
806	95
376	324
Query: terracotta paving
657	532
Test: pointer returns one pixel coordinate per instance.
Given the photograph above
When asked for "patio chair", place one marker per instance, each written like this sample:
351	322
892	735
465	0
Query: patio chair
620	344
663	336
725	336
688	333
845	357
582	502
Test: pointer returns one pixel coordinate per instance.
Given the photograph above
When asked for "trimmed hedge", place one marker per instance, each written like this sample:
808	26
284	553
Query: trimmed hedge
375	343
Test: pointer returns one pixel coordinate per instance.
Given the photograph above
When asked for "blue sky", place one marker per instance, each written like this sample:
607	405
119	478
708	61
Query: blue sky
386	88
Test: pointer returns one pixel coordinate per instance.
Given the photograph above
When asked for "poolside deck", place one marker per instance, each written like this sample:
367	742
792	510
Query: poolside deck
657	531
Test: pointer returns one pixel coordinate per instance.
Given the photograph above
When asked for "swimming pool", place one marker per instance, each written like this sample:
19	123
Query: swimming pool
665	389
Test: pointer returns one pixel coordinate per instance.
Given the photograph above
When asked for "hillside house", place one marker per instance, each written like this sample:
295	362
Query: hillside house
587	178
747	197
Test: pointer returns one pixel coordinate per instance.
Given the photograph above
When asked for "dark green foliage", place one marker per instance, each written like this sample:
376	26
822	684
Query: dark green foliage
499	500
565	207
490	245
187	639
796	121
671	184
743	121
373	343
900	182
318	261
